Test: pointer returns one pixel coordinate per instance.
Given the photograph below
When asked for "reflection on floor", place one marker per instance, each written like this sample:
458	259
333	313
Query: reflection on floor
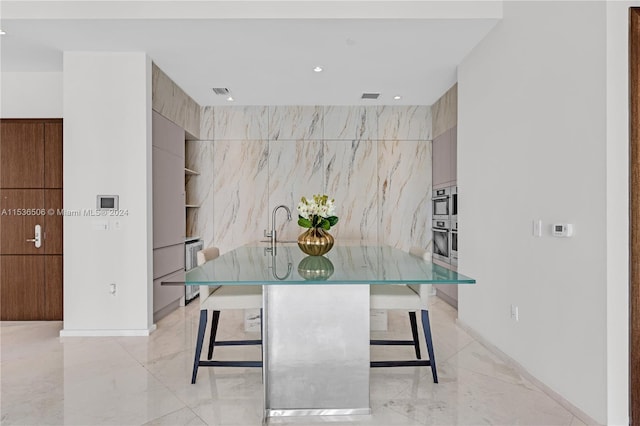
47	380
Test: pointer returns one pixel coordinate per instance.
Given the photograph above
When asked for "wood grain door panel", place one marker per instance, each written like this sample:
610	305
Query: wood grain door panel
21	154
634	216
52	308
31	279
22	290
52	230
53	155
16	221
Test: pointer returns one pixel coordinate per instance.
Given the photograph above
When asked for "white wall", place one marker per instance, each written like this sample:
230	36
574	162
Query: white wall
107	150
31	95
617	208
532	144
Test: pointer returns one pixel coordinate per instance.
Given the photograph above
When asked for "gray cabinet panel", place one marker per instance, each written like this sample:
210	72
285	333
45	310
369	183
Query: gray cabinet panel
444	157
453	143
167	135
168	199
167	260
168	213
164	295
441	162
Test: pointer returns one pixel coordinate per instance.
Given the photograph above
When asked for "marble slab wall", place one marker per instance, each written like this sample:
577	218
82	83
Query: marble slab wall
170	101
240	123
295	123
375	161
296	169
240	191
350	123
199	190
404	193
409	123
351	179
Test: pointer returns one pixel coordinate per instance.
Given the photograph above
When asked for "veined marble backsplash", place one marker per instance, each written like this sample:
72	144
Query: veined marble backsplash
375	161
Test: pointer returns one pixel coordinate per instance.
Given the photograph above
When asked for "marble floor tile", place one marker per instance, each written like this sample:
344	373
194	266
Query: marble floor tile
184	416
48	380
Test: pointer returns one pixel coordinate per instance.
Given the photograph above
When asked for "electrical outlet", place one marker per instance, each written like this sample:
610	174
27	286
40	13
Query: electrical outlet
515	313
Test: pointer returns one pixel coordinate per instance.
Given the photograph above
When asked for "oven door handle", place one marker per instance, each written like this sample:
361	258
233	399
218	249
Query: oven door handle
445	197
439	230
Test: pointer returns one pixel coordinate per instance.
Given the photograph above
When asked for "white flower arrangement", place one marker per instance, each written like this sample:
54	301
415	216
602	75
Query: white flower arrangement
317	213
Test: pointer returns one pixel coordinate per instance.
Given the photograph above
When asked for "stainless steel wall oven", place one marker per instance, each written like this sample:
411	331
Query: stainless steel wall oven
445	225
454	243
441	248
440	200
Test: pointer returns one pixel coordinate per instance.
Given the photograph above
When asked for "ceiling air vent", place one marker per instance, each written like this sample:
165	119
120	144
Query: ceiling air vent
370	95
220	90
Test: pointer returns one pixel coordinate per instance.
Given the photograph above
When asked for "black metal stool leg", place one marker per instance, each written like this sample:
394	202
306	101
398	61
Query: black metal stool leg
414	333
427	335
201	329
215	318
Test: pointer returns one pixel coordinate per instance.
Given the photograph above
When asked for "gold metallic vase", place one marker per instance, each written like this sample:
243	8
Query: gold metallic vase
315	268
315	242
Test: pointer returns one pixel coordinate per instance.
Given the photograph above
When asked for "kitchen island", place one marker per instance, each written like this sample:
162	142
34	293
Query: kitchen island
315	323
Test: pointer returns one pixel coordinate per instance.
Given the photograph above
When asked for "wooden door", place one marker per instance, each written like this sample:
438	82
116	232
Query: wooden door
30	196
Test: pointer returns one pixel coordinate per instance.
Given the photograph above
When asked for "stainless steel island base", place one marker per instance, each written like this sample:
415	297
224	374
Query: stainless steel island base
316	349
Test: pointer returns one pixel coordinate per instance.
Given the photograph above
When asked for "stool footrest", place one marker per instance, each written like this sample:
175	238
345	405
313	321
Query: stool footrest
237	342
417	363
230	364
392	342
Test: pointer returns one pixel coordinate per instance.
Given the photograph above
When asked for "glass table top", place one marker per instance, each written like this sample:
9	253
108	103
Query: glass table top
344	264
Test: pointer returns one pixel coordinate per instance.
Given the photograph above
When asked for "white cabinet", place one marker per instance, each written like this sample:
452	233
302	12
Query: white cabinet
168	214
444	159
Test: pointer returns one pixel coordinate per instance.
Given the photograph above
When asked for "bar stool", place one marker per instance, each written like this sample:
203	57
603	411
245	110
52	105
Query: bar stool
217	299
413	298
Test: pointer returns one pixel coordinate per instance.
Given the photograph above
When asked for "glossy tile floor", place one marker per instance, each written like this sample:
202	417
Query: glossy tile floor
48	380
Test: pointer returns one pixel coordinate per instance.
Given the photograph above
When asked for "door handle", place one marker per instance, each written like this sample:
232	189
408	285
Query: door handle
37	239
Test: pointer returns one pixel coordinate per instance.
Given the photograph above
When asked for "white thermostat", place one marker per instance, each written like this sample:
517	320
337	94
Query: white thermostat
562	230
107	202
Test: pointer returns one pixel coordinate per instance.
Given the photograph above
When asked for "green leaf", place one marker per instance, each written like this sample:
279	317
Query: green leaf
332	220
324	223
305	223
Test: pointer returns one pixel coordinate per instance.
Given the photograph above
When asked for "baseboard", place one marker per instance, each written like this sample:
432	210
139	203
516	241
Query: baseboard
161	313
448	299
107	333
584	417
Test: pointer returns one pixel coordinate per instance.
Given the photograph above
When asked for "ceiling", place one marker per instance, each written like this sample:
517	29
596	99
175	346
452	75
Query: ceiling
265	60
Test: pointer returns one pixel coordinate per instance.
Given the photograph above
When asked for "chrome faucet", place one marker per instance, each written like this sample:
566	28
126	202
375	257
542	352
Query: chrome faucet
272	234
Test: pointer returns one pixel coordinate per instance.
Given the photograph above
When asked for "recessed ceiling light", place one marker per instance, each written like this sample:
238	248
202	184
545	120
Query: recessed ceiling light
230	98
318	69
397	97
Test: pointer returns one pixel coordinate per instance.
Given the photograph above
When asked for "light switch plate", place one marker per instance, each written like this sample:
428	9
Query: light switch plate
100	225
537	228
